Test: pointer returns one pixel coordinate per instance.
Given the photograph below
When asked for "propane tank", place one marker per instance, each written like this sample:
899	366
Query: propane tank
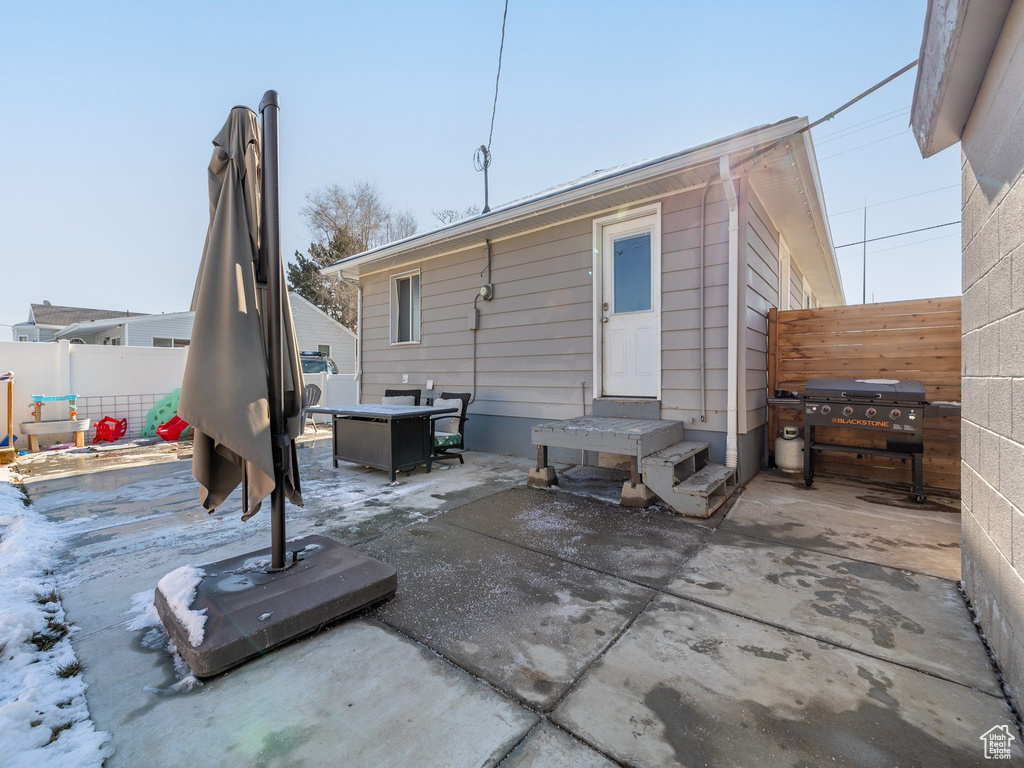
789	450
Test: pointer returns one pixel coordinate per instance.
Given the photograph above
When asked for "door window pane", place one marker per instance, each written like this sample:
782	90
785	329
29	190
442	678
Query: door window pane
632	273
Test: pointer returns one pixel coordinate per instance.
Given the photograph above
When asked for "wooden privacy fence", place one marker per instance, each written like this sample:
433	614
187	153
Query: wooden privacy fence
896	340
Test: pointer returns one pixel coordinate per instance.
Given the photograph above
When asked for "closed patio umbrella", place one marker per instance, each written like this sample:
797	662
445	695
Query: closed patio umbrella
242	393
225	394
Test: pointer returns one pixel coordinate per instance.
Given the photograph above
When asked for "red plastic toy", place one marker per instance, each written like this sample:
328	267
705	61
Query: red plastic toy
171	430
110	429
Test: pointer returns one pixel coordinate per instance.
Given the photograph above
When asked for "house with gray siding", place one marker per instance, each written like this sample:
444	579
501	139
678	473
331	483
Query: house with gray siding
970	89
45	320
315	330
170	329
645	285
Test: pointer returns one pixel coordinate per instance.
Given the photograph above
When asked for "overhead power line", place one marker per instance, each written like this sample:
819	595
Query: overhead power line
895	112
839	135
756	156
482	156
901	245
895	199
898	234
861	146
497	78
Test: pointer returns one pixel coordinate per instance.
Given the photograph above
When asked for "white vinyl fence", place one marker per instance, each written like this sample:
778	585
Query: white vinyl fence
336	389
122	382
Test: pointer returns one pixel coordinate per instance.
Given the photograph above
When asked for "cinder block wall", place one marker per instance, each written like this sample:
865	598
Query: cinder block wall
993	353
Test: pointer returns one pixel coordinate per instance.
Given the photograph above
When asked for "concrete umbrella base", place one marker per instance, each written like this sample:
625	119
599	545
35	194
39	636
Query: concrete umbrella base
250	611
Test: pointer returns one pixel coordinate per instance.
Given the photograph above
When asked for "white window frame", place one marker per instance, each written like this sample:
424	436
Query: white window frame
324	345
652	211
392	300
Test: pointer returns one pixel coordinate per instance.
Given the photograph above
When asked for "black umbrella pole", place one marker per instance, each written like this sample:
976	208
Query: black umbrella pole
270	247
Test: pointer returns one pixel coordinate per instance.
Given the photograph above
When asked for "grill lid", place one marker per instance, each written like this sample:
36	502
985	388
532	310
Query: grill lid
887	390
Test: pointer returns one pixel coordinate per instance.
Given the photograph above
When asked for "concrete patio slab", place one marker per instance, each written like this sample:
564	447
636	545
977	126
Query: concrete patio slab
914	620
322	701
691	686
854	519
524	622
550	747
646	546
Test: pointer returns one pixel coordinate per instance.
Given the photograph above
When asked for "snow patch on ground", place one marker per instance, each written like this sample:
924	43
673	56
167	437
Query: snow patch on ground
44	718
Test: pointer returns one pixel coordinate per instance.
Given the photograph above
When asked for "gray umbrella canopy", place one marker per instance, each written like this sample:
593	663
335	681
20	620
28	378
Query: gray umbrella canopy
224	395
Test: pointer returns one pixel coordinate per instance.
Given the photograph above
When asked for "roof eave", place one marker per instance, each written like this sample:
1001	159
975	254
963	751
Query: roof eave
820	213
602	186
956	46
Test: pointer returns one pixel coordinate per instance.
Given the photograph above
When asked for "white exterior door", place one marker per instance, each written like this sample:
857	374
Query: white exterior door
629	320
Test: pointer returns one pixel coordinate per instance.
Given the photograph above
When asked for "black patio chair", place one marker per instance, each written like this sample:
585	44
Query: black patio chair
445	441
414	393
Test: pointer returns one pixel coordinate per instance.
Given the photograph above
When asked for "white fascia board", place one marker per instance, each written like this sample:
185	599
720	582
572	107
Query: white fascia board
820	213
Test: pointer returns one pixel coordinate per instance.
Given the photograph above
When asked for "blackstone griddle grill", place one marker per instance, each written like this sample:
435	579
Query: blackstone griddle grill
896	408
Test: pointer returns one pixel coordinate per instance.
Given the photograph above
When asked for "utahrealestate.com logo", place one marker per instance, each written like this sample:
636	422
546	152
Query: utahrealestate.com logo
997	742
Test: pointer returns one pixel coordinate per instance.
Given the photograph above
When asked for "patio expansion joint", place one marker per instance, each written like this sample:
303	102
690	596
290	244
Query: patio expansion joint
817	639
542	716
666	591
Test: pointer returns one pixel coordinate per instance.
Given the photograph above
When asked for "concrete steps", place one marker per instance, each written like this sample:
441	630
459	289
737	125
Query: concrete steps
683	476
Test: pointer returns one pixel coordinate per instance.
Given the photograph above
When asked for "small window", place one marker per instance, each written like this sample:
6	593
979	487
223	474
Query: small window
165	343
405	308
115	342
23	338
324	349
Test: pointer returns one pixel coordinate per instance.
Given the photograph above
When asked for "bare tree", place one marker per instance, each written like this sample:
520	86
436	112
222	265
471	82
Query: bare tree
451	215
343	221
359	212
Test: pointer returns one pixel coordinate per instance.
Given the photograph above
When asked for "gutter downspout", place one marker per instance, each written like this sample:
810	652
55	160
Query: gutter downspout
731	449
703	365
359	342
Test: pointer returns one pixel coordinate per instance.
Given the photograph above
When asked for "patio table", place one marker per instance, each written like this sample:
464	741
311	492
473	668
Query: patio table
389	437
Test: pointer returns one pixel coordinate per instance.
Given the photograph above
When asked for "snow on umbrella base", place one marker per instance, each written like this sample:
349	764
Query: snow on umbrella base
249	611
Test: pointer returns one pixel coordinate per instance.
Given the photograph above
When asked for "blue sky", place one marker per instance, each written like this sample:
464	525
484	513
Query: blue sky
109	111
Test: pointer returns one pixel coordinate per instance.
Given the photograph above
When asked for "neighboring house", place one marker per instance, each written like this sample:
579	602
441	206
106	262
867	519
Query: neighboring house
598	294
316	332
970	88
171	329
46	320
